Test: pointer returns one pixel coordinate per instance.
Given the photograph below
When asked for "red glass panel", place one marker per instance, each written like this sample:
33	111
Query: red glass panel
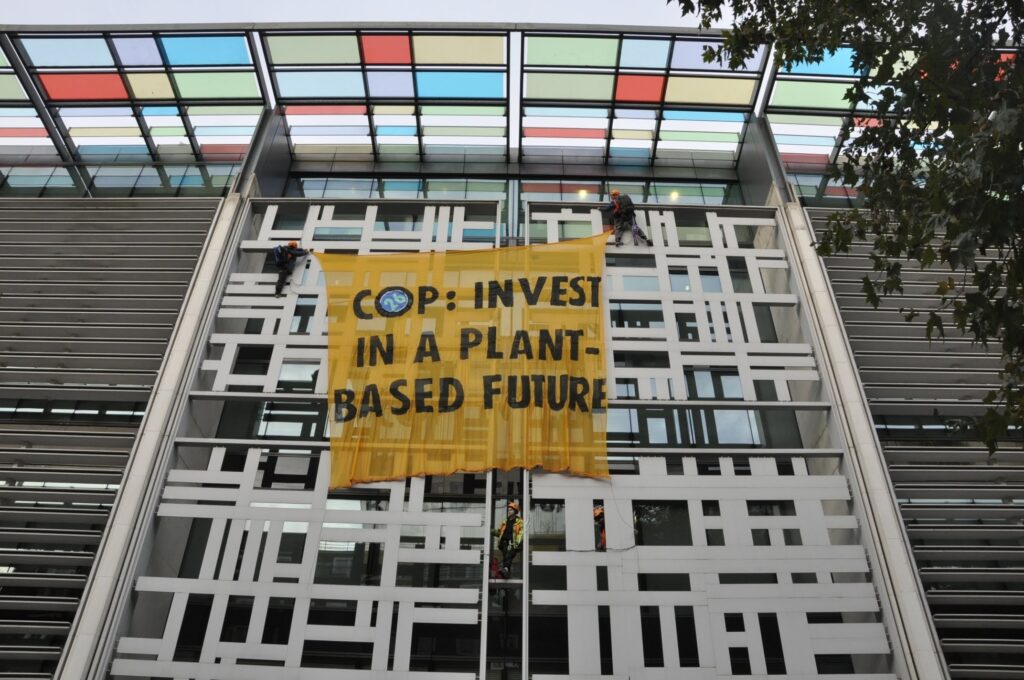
639	88
83	86
386	49
22	132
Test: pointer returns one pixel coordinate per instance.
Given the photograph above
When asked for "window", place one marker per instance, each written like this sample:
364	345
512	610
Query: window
792	537
746	579
252	360
444	648
671	582
740	275
637	315
332	613
278	625
661	523
710	508
771	508
734	623
639	283
626	388
349	563
713	383
679	280
687	327
739	659
629	260
775	660
834	664
715	536
761	536
650	633
754	235
804	577
298	376
686	637
710	281
641	360
335	654
236	619
304	308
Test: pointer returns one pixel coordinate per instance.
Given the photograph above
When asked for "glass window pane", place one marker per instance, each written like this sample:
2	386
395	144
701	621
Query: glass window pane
68	51
206	50
661	523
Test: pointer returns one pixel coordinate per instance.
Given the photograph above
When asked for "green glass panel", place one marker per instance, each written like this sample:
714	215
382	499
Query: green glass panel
800	119
10	88
555	51
810	95
313	49
568	86
729	137
225	110
220	85
463	110
3	59
451	131
167	131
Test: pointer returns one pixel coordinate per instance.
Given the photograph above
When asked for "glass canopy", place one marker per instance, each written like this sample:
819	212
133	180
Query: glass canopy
415	95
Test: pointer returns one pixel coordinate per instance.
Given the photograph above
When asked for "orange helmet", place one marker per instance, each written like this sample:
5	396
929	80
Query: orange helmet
293	244
513	505
615	192
599	511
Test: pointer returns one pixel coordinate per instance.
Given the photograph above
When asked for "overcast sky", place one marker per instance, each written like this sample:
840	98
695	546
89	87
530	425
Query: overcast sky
654	13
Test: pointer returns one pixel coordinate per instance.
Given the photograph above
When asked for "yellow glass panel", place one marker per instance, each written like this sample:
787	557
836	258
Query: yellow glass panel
459	49
632	134
151	85
691	90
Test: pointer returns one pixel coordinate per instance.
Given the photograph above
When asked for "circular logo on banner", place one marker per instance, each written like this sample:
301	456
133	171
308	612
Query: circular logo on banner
393	301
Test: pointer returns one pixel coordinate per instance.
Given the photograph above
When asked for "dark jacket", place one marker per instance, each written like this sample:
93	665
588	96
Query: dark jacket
285	255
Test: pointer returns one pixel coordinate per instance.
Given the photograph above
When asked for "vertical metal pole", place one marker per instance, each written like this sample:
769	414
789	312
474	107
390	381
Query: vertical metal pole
486	592
524	666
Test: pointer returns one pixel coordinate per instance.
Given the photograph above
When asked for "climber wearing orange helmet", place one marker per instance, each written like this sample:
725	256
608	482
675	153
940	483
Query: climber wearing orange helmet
510	538
624	217
285	257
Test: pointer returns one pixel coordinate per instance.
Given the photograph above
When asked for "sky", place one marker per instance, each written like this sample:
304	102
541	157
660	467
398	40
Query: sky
65	13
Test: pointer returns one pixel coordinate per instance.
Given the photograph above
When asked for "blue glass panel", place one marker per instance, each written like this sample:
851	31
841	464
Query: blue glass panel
21	112
320	84
206	50
837	64
68	51
689	55
460	84
630	153
565	112
160	111
390	83
396	130
643	53
705	115
635	113
138	51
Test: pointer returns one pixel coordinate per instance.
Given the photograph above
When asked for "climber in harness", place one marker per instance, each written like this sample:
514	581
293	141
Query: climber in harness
285	258
601	540
624	217
510	539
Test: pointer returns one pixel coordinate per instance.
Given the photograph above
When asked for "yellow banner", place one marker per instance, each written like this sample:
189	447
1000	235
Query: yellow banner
467	361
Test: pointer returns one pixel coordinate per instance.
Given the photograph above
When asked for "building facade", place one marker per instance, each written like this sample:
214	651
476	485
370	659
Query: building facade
164	500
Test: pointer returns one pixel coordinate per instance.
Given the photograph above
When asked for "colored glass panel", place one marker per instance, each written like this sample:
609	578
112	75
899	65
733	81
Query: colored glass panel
3	59
386	49
460	84
68	52
638	53
151	85
567	51
633	88
688	55
206	50
390	83
83	86
219	85
715	91
445	110
808	94
320	84
593	133
459	49
138	52
10	88
313	49
838	63
573	86
725	116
